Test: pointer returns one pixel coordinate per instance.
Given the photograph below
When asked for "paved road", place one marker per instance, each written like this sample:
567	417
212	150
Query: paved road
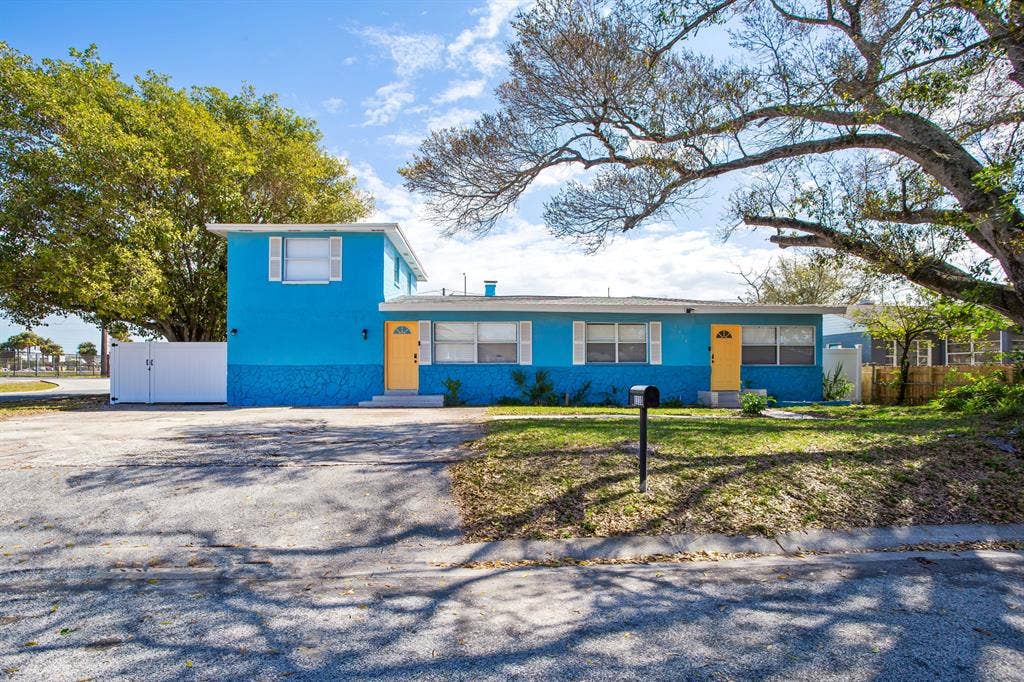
65	386
920	617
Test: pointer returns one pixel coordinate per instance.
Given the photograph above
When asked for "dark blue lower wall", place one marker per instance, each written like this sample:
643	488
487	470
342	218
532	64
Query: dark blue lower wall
485	384
325	385
304	385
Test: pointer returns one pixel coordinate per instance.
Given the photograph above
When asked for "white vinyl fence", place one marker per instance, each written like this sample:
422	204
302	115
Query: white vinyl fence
850	360
161	372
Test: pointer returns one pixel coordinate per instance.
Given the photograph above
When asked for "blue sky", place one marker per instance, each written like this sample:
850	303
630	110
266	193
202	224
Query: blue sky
377	76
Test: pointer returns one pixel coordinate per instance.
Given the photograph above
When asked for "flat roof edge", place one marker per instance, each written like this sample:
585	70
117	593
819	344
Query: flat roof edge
680	309
392	230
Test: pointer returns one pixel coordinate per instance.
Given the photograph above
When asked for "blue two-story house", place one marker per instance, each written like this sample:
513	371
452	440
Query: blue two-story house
328	315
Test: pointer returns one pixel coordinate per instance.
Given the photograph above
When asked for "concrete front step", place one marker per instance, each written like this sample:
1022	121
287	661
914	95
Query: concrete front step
404	400
729	399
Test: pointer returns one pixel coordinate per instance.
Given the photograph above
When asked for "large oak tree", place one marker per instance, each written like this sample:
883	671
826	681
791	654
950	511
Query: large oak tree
105	187
887	130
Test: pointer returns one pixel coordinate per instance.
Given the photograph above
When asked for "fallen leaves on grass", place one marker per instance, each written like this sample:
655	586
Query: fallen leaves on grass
872	466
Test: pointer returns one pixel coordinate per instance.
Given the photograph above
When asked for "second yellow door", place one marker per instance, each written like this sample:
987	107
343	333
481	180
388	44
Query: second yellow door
401	359
725	357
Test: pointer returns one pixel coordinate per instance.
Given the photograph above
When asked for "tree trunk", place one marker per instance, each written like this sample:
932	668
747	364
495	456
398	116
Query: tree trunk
901	395
104	352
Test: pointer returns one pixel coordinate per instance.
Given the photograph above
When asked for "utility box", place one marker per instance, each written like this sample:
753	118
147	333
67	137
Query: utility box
644	396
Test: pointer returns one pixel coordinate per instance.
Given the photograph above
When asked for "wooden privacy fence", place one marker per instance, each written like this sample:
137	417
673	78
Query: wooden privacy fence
878	384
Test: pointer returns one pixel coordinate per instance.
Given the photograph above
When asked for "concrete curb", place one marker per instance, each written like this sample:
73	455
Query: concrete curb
590	549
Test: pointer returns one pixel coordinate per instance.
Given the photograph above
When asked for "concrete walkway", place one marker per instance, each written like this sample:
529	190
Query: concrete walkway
64	387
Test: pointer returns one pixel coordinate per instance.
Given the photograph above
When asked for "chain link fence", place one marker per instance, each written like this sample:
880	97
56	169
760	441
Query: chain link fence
32	363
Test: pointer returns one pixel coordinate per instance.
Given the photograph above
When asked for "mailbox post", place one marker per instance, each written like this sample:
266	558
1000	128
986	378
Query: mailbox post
644	397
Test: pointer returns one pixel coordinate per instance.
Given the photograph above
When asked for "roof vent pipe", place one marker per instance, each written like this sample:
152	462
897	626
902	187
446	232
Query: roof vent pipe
490	287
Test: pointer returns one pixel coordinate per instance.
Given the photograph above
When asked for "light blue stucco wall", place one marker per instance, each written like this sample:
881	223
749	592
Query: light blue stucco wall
302	344
686	359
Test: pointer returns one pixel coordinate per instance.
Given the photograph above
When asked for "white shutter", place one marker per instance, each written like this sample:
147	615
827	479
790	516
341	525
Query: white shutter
655	351
335	259
579	342
425	343
274	265
526	342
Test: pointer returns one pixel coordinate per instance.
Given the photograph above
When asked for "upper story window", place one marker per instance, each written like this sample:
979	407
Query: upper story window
307	259
475	342
398	270
771	345
615	342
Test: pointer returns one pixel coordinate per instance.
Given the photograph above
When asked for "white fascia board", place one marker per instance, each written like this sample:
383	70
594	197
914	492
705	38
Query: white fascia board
392	230
500	306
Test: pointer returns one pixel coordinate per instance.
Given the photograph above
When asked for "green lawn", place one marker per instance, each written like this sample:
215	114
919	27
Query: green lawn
852	467
18	386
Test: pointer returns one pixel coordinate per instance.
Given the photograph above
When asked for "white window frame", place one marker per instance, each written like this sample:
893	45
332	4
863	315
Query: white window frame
915	354
647	343
476	342
398	270
285	258
778	345
974	352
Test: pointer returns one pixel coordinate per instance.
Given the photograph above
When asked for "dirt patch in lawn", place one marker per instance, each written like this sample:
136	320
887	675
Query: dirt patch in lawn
20	408
861	467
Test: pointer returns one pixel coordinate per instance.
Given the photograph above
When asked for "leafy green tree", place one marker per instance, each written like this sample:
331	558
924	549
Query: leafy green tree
107	186
919	314
24	341
890	131
87	349
819	278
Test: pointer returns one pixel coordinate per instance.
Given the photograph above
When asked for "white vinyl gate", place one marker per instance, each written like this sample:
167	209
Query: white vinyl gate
162	372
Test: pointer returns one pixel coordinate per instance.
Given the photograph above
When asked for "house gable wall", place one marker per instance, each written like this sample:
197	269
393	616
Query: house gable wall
302	344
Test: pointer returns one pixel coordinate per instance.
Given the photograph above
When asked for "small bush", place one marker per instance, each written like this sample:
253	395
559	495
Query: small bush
540	391
835	385
579	396
673	403
451	393
754	404
988	393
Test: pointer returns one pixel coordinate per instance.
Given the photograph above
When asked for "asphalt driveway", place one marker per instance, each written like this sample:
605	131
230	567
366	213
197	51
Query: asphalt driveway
164	484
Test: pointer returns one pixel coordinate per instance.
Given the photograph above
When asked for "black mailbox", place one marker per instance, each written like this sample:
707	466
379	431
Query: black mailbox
644	396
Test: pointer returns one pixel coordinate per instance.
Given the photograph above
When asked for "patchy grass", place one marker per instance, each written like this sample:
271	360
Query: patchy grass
517	410
18	386
851	467
20	408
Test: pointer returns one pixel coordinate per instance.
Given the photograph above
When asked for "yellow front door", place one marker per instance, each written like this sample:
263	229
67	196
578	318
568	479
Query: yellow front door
725	357
401	359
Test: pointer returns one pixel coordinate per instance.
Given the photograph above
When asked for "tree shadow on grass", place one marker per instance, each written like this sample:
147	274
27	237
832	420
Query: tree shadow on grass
923	472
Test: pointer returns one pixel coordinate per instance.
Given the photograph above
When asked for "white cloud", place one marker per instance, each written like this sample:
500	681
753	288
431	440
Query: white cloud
333	105
664	259
405	139
411	52
386	103
488	59
348	61
493	17
457	90
453	118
